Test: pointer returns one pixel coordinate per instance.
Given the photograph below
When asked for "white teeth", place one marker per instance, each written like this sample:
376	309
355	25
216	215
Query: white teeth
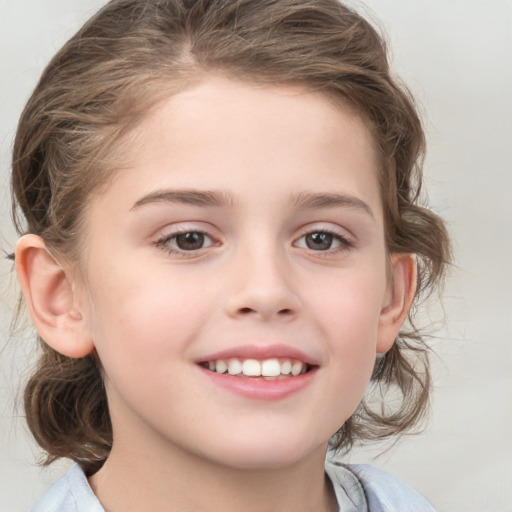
251	368
221	366
269	369
297	368
234	367
286	367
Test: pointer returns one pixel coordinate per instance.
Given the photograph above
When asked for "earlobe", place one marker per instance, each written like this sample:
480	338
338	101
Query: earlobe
399	297
49	296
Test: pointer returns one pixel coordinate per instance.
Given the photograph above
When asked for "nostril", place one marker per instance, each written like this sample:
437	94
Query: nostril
247	310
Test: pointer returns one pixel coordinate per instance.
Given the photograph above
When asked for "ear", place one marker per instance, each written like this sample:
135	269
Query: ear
49	295
397	302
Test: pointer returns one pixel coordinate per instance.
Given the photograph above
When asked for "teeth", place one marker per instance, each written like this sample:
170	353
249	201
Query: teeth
286	367
221	366
297	368
234	367
269	369
251	368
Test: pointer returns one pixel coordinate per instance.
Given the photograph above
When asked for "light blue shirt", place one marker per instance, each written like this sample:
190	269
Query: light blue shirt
358	488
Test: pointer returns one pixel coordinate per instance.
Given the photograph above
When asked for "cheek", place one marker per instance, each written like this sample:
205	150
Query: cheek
352	303
349	314
142	327
144	317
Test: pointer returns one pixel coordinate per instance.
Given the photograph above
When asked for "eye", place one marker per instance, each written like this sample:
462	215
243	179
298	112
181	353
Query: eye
185	241
191	241
322	241
319	241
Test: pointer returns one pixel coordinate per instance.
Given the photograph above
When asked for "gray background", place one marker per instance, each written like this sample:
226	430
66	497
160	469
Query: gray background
456	56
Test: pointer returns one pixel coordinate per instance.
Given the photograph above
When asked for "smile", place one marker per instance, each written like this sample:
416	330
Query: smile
266	369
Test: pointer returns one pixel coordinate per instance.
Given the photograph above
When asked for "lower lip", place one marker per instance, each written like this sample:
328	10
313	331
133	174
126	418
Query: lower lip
256	389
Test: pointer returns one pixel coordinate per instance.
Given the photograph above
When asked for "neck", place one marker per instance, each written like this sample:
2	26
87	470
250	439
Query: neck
131	481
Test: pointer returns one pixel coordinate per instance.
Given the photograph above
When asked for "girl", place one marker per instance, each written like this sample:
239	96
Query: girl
221	243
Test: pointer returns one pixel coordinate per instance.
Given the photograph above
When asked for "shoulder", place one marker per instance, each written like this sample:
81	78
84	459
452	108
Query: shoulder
71	493
383	491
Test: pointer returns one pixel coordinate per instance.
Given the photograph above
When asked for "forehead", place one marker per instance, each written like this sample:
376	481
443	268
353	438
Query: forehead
223	134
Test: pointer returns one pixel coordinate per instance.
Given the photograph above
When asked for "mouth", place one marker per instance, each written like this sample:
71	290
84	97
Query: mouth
255	369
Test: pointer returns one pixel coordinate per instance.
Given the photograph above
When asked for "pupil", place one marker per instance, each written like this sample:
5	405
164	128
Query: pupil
190	241
319	241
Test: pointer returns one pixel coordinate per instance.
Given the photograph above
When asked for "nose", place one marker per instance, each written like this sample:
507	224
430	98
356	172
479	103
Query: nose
262	287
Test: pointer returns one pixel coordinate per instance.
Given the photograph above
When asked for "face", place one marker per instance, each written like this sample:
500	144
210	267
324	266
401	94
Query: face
246	237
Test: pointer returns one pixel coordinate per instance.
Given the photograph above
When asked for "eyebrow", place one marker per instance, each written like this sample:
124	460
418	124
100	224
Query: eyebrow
217	198
193	197
306	200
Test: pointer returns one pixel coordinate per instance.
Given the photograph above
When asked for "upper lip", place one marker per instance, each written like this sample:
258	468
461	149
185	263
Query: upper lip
260	352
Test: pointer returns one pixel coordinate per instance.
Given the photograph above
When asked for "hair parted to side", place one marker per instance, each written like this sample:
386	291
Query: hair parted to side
134	53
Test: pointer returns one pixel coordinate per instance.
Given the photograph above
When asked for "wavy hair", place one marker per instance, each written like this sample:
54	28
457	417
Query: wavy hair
121	63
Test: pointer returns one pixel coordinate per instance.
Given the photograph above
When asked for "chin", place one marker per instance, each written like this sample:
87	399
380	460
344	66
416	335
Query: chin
271	453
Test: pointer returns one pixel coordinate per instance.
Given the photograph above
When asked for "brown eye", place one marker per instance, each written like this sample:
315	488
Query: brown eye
190	241
323	241
319	241
185	242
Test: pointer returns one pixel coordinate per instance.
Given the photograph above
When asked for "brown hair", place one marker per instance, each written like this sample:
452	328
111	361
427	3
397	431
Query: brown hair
133	53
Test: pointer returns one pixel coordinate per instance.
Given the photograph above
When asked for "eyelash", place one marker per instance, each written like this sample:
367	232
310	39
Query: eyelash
164	243
344	243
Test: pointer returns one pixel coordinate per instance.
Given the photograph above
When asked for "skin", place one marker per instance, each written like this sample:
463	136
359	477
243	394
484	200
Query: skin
152	311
